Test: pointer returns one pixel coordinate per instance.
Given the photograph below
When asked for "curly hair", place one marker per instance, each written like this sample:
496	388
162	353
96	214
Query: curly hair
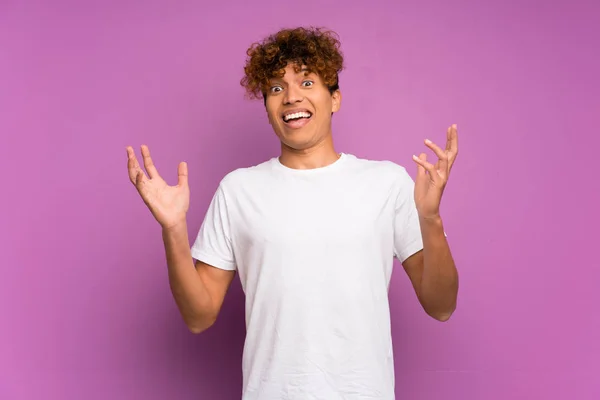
315	48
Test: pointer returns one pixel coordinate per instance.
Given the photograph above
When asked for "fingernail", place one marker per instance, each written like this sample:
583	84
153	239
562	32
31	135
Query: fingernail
454	126
427	141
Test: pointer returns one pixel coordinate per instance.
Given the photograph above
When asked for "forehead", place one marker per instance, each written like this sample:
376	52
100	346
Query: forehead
293	71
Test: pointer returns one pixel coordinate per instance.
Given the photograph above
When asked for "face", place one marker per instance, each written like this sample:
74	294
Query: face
299	106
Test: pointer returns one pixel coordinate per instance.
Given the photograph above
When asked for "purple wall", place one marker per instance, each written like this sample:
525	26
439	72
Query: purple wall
85	305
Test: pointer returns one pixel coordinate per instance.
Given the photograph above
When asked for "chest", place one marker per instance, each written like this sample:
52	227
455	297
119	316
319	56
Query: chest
314	215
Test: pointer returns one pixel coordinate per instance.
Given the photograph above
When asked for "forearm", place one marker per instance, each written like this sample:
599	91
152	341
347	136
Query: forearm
190	293
439	282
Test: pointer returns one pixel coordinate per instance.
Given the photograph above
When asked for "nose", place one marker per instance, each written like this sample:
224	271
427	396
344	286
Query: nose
293	95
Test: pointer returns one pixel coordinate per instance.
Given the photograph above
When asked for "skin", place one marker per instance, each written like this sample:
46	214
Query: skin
199	289
432	271
312	145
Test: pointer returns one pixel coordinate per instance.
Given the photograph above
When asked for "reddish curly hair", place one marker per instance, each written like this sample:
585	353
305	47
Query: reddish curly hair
316	48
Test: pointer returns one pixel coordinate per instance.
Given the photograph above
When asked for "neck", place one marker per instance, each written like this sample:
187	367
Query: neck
317	156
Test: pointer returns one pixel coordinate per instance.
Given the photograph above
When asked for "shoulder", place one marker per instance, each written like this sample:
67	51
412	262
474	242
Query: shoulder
243	177
382	169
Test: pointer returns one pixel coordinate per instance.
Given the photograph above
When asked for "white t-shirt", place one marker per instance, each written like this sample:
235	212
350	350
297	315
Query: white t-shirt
314	251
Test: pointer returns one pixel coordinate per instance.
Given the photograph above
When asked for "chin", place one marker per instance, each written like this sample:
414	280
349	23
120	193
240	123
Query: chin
297	140
297	145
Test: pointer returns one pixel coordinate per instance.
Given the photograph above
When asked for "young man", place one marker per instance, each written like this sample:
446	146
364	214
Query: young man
312	234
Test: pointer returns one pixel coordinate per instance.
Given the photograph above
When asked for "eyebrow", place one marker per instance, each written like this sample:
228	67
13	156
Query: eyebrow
281	79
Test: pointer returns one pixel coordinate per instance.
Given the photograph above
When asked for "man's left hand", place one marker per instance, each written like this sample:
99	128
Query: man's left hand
432	178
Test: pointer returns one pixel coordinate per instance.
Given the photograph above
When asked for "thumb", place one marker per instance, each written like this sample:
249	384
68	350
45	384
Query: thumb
182	172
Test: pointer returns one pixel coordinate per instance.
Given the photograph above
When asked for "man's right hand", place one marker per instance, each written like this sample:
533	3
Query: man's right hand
168	204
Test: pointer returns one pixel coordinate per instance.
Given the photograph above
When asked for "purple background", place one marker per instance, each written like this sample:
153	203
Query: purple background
85	305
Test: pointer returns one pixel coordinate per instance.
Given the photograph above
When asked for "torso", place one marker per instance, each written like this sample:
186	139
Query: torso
314	250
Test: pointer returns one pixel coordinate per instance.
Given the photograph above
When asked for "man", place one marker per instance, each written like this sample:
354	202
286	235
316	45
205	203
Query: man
312	234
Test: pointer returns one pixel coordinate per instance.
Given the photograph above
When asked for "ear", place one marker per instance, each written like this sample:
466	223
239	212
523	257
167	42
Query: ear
336	101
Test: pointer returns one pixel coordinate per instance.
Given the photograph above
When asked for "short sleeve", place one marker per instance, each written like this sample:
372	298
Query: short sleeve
213	242
407	229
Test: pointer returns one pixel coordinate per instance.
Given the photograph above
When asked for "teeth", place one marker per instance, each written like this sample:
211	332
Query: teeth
296	115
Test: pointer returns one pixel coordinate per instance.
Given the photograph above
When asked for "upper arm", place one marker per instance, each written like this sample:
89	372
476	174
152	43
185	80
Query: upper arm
413	266
407	229
217	282
408	240
213	250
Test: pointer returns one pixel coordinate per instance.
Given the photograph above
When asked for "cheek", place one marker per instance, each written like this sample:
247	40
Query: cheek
325	106
270	117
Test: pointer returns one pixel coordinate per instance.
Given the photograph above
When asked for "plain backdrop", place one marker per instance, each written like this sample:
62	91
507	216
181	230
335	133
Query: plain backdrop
85	307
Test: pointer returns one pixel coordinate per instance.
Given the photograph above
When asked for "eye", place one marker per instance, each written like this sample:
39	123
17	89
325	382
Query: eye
276	89
307	83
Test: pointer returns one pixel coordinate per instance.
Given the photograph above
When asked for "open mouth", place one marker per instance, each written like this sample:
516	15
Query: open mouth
296	118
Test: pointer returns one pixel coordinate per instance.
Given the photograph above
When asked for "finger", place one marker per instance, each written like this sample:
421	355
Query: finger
133	166
430	168
452	144
140	184
139	179
441	154
448	132
148	163
421	171
182	173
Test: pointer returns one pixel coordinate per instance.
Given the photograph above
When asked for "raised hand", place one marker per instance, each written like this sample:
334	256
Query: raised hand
168	204
432	178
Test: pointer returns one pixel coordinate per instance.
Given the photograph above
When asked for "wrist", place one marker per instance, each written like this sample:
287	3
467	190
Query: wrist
430	219
175	227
